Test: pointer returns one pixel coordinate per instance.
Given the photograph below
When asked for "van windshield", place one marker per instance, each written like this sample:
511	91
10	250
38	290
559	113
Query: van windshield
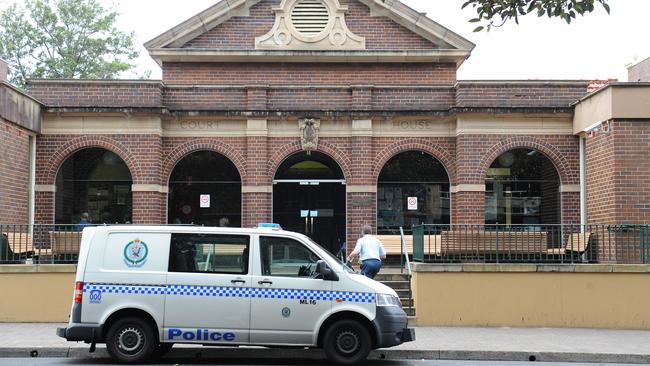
336	260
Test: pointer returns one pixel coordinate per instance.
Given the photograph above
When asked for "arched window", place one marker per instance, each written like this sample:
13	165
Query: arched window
522	188
420	177
97	182
205	189
312	166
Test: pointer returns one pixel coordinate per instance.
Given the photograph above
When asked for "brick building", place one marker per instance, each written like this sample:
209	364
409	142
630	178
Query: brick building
324	115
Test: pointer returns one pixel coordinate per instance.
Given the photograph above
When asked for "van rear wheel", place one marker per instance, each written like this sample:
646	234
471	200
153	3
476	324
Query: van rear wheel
130	340
347	342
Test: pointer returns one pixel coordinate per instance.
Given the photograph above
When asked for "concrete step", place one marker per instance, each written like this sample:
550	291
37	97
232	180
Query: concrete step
409	312
396	284
391	277
403	293
406	302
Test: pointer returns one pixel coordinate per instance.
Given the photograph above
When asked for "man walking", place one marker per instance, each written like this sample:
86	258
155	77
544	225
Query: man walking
370	250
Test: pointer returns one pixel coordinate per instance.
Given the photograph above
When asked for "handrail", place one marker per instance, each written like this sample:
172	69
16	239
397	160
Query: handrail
405	251
408	266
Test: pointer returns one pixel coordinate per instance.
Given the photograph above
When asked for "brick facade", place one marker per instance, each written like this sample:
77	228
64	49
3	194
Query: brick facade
14	170
618	171
339	93
380	32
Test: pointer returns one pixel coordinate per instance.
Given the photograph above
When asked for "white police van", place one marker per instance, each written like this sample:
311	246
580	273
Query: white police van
141	289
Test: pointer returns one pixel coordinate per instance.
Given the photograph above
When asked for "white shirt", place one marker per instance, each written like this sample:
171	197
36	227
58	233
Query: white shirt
370	247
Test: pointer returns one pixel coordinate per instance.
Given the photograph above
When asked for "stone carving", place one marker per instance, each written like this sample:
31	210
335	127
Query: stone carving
335	35
309	129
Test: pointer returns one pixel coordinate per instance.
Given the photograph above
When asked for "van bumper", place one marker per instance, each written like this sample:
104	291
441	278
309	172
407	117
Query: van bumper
89	333
392	328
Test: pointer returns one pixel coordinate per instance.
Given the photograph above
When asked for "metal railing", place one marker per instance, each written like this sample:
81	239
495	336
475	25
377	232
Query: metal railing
564	244
407	263
20	244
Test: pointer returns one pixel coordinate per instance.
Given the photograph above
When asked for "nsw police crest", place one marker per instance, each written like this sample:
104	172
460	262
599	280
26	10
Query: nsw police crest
135	254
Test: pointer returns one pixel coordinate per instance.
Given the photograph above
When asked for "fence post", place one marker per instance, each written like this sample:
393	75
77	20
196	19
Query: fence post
497	227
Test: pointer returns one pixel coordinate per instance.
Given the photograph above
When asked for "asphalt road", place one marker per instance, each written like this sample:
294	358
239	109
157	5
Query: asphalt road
106	362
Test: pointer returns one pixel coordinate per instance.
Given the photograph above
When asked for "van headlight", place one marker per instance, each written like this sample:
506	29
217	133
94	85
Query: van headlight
388	300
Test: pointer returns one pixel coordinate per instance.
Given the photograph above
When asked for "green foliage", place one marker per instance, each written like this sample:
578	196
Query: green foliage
63	39
495	13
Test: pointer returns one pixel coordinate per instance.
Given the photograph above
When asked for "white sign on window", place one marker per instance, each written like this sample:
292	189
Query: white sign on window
205	201
413	203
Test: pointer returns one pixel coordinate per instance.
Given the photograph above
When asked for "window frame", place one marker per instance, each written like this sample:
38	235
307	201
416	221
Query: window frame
247	262
261	257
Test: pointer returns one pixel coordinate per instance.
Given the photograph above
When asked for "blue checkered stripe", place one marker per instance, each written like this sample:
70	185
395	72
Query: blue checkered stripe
236	292
125	289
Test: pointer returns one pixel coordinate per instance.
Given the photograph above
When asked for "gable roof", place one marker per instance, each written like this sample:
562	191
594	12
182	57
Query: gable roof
167	46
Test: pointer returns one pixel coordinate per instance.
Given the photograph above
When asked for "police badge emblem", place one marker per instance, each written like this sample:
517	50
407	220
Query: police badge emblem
135	254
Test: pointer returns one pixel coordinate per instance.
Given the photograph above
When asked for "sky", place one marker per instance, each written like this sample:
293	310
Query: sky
597	46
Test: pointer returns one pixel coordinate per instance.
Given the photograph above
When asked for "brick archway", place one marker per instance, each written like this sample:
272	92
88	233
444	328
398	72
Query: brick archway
440	153
289	149
85	142
178	153
526	142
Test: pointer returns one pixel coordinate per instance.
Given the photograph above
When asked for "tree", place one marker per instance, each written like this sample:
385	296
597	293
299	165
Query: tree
495	13
63	39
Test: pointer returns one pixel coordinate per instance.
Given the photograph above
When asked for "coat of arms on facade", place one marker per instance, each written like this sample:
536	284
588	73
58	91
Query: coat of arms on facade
309	128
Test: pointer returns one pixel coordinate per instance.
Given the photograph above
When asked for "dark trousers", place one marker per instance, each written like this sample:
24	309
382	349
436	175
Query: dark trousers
370	267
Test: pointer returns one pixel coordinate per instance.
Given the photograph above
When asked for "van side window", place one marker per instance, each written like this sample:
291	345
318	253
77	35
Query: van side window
209	253
286	257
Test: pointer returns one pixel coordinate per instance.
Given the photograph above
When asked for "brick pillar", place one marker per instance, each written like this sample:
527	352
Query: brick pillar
149	204
361	186
570	198
150	189
467	206
257	186
44	204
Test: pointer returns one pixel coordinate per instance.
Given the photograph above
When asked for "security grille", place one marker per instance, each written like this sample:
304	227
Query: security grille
310	17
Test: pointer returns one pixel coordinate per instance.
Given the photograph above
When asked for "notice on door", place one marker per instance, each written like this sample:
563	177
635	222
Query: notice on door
413	203
205	201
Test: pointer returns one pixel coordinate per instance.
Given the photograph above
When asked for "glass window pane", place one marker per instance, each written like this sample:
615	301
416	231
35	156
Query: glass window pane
522	188
97	182
412	174
286	258
199	253
312	166
205	173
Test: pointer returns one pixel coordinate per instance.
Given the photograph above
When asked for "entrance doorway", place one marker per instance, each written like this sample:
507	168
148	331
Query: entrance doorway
309	198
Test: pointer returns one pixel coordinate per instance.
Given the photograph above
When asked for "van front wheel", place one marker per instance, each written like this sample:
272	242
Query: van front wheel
130	340
347	342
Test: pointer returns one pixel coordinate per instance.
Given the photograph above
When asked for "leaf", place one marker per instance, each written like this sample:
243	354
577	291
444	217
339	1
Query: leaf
479	28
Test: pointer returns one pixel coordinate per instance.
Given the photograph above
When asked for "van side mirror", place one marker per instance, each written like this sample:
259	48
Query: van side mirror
325	271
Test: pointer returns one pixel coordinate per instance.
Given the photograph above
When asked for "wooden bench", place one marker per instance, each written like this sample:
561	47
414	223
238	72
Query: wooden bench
393	244
21	244
484	243
65	243
577	243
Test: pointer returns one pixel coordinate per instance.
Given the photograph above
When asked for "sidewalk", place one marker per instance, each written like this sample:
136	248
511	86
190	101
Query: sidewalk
505	344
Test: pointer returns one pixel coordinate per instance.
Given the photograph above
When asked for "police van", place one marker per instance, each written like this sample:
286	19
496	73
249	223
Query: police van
141	289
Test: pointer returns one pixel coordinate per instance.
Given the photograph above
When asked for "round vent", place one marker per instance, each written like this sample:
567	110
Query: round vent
310	17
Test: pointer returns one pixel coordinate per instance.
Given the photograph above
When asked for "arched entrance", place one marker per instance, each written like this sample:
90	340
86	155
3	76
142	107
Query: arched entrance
96	183
522	188
309	197
205	189
412	174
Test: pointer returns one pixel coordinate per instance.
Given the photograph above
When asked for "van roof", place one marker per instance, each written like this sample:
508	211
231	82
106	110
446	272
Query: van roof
181	229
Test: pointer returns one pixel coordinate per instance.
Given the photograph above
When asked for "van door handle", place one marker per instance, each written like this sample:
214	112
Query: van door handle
240	281
265	282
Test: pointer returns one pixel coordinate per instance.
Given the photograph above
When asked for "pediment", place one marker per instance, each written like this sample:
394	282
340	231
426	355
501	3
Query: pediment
302	26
